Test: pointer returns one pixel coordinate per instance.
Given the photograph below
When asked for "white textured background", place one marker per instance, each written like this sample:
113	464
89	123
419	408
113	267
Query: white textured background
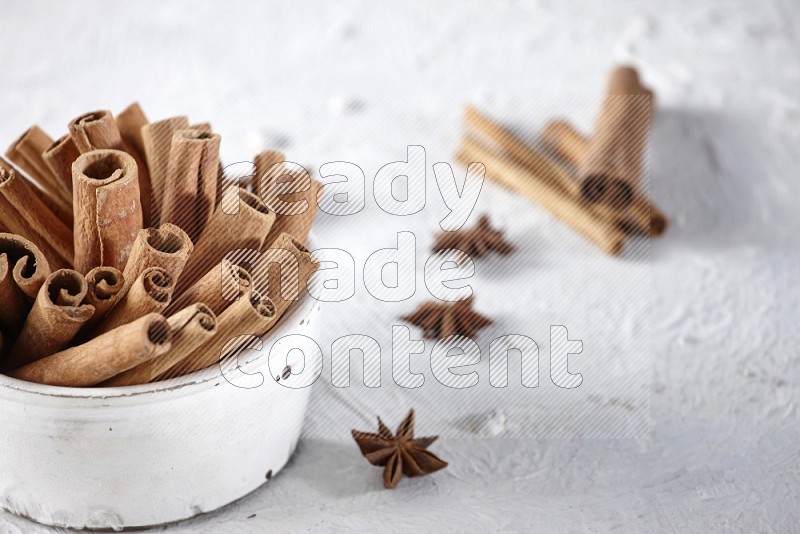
724	452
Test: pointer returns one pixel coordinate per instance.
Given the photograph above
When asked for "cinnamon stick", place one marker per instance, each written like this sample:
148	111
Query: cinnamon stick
103	357
191	328
157	138
26	152
292	195
600	230
570	145
611	170
98	130
103	291
27	266
190	194
130	122
23	212
151	292
222	285
56	317
108	212
59	158
167	247
239	223
247	316
282	271
269	166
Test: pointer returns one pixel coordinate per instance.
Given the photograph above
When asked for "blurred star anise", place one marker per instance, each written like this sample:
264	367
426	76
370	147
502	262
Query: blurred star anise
442	319
400	453
476	242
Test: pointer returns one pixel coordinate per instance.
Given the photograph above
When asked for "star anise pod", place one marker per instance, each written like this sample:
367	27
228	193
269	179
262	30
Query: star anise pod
400	453
442	319
476	242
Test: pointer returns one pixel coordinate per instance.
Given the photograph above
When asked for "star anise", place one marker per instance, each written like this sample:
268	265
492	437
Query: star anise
442	319
400	453
476	242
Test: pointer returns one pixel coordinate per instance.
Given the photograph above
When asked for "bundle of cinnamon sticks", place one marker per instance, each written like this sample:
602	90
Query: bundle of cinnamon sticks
127	256
593	184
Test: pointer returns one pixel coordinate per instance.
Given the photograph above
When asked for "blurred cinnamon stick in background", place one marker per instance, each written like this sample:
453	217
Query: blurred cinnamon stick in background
157	139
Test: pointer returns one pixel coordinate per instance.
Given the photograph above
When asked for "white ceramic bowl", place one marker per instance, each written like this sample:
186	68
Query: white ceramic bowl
113	458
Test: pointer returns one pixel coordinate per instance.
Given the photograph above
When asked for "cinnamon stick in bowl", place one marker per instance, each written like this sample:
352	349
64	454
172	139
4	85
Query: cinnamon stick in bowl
27	153
167	247
241	221
108	210
191	328
571	146
27	268
103	291
222	285
190	193
157	139
104	356
23	212
289	191
150	292
97	130
56	317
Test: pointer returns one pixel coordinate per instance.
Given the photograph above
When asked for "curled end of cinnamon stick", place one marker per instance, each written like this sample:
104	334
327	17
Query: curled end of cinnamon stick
28	266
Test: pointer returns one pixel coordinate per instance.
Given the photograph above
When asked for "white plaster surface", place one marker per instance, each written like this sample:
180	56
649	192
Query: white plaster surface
721	451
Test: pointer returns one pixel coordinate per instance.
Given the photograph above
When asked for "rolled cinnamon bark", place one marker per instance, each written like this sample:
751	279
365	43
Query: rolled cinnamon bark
190	194
108	210
23	212
27	266
98	130
103	291
130	122
16	304
26	152
282	271
611	170
150	293
157	138
59	157
220	287
249	316
167	247
292	195
600	230
191	328
269	166
103	357
494	136
570	145
237	224
56	317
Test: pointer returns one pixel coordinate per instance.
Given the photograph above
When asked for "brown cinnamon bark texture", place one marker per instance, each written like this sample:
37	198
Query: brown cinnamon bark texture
611	170
570	145
23	212
56	317
282	272
238	224
190	192
191	328
27	266
108	210
167	247
157	138
130	122
103	291
220	287
59	157
292	195
150	292
98	130
104	356
249	316
26	152
269	165
600	230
